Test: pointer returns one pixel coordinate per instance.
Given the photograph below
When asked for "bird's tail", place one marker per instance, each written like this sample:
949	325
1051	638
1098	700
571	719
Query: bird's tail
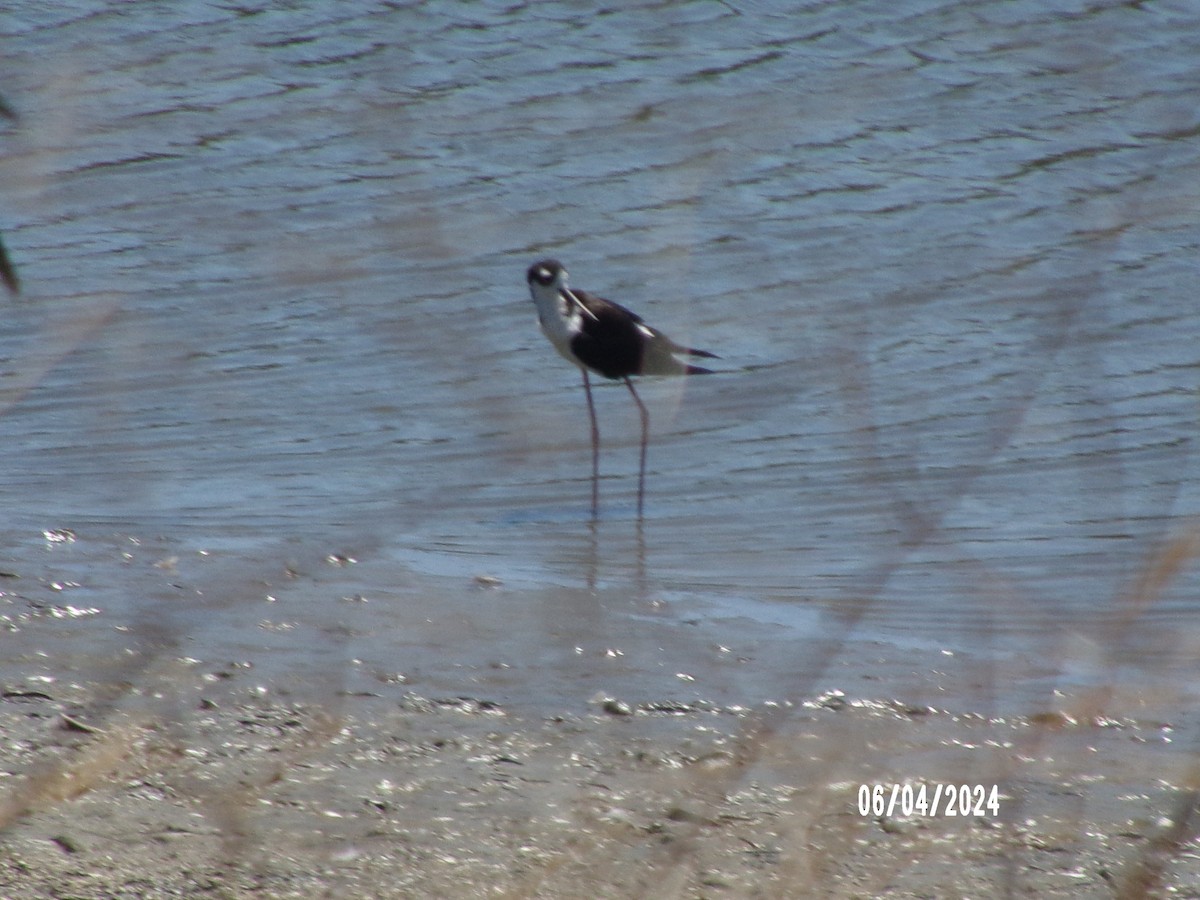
697	370
659	358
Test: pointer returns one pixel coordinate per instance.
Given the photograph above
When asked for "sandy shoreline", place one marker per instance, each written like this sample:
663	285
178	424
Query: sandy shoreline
224	789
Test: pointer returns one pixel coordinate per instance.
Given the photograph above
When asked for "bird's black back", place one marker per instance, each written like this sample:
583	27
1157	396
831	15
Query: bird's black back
609	341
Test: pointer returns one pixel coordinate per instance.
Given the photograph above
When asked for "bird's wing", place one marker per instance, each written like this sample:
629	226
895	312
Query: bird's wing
596	307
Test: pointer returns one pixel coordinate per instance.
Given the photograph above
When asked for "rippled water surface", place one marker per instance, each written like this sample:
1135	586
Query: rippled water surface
274	390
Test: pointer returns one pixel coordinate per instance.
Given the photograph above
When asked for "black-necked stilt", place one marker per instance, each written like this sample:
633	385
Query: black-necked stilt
610	340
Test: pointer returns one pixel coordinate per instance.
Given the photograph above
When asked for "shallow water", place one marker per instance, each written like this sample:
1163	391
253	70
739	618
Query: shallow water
276	370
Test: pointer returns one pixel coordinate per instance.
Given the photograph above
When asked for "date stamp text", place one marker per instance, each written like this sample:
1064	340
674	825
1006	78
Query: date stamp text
928	800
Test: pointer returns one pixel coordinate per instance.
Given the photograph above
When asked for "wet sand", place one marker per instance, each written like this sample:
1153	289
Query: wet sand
207	785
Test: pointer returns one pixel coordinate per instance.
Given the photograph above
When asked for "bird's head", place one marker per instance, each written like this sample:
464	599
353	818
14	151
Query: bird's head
546	273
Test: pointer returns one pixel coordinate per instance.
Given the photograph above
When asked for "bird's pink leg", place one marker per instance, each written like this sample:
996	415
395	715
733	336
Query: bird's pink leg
587	387
645	438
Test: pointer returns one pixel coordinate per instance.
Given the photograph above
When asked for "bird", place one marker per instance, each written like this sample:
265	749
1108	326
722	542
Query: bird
604	337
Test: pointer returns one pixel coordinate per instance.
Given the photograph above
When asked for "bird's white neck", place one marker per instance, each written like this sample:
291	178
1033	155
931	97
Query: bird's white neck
558	317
